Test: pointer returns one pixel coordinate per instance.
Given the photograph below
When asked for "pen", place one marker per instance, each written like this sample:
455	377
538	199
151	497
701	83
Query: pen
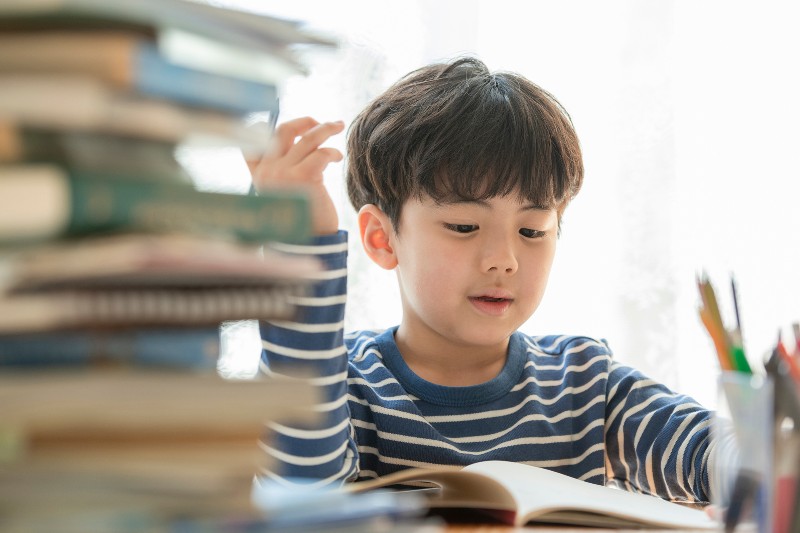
786	405
792	364
717	337
737	349
709	315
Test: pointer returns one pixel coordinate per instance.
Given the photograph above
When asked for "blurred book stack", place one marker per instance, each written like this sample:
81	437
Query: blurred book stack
115	272
133	450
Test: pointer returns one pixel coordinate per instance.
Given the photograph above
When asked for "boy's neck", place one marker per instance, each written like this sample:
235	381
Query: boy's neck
444	363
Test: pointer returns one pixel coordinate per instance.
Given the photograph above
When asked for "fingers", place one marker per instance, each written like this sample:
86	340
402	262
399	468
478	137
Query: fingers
314	164
311	140
286	133
300	161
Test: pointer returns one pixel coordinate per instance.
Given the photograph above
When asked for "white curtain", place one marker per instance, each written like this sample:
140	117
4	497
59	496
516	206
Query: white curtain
688	117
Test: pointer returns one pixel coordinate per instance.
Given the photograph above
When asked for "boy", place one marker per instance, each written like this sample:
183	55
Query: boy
460	178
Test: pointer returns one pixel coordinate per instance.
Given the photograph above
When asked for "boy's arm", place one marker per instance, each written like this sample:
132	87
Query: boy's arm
657	441
324	453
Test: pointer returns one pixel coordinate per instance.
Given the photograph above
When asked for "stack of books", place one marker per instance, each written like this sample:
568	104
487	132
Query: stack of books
115	272
129	450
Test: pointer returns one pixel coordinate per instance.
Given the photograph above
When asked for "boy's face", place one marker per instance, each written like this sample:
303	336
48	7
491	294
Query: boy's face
471	273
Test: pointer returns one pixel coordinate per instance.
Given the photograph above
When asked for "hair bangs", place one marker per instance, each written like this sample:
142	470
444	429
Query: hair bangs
504	145
455	131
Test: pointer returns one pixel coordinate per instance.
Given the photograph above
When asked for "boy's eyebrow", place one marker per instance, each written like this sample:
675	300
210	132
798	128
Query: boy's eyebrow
485	204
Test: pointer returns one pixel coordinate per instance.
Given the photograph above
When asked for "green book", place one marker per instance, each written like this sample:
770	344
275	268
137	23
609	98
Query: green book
97	151
47	202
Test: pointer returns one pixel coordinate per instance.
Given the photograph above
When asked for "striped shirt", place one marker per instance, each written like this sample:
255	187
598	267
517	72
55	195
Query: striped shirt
560	402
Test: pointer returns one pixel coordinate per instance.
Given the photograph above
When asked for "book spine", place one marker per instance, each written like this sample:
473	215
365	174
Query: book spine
101	204
184	348
128	308
156	77
45	202
93	152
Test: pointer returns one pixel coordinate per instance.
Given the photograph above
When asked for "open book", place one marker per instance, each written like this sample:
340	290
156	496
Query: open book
519	493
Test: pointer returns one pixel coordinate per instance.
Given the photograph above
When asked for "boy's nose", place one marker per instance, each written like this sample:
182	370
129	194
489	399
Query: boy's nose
499	256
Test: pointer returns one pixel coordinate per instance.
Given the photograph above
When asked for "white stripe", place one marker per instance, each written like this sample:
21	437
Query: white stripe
308	433
368	474
582	347
319	381
363	424
609	469
364	450
545	351
303	461
317	301
648	459
327	275
375	366
599	471
303	354
556	342
571	368
569	461
309	328
309	249
556	382
364	353
399	398
324	482
362	381
328	380
330	406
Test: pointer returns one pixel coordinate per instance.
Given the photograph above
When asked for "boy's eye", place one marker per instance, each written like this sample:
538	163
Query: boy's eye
531	233
461	228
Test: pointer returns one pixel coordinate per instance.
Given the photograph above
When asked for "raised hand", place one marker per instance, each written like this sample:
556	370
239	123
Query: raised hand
294	162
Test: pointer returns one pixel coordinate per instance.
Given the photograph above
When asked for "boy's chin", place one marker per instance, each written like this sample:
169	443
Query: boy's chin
485	336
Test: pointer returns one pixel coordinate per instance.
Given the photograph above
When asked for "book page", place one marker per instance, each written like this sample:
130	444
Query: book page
458	488
544	495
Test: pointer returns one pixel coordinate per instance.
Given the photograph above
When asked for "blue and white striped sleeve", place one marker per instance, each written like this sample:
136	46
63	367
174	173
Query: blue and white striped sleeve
325	453
657	441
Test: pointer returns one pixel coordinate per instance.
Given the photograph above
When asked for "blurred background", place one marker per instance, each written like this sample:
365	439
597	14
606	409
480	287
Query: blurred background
688	118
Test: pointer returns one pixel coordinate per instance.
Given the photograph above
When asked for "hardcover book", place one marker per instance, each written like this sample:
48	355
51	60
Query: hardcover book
45	202
140	260
130	308
217	37
92	151
191	349
132	62
37	100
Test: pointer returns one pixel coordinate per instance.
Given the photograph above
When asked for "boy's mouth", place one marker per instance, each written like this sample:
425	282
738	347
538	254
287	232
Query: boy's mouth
490	305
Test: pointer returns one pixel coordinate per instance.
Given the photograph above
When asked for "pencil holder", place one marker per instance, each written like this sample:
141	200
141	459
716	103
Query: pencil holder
745	422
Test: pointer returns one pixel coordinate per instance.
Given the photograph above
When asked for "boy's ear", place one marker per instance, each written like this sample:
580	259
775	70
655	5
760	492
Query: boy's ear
376	229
